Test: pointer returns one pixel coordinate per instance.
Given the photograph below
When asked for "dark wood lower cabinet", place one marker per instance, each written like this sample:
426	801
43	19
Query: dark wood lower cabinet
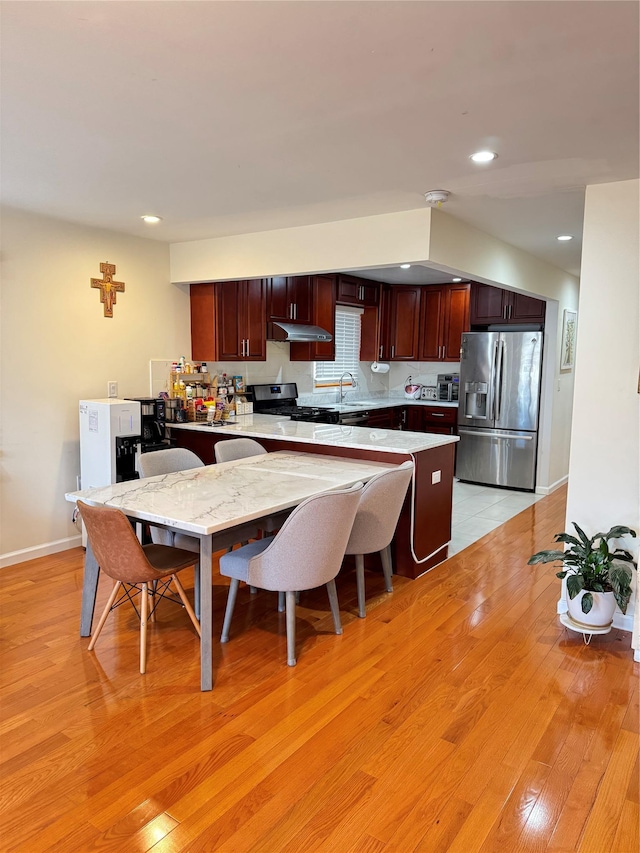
441	420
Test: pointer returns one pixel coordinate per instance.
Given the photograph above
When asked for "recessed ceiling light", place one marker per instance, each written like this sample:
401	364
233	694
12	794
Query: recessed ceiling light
405	266
151	218
564	237
483	156
456	279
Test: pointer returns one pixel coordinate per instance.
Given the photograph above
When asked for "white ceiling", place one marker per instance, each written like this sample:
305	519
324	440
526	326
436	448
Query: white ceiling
228	117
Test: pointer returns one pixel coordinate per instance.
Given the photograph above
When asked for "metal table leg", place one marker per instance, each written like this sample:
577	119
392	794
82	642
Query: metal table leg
89	589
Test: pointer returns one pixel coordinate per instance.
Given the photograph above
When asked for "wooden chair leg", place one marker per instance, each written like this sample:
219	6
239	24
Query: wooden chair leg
144	605
362	612
290	598
228	613
187	604
335	608
385	556
105	613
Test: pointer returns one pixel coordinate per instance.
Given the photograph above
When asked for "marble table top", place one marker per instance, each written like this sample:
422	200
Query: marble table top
340	435
214	498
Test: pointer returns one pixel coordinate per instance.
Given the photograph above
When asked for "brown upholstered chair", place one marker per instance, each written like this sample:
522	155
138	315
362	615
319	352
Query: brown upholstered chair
376	521
306	553
147	570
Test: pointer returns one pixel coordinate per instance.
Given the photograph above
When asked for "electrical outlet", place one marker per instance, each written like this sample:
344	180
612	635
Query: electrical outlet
436	477
112	389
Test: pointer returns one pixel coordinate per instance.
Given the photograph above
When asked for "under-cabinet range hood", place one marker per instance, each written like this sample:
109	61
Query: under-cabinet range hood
296	333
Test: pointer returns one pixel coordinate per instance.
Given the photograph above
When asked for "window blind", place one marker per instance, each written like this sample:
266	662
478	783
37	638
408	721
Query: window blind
347	341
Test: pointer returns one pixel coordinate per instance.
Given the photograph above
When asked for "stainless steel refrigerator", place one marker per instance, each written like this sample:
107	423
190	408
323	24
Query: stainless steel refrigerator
498	408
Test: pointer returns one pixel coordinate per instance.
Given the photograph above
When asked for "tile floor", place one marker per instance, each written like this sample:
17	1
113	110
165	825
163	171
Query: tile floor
477	510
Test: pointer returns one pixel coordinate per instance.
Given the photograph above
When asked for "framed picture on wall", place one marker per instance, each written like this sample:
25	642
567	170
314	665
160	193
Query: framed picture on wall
568	351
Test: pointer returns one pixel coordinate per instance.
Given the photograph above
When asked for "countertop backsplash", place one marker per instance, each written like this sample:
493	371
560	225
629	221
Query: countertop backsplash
278	368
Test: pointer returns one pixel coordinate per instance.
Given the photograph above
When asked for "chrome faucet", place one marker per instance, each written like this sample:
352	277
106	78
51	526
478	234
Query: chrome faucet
354	384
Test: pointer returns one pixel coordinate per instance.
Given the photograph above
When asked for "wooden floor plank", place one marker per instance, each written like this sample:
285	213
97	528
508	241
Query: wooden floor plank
459	715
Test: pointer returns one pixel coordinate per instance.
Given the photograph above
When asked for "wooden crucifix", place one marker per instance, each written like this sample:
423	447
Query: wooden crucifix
108	287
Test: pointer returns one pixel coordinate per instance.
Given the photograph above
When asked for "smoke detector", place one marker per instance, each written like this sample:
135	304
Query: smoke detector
437	197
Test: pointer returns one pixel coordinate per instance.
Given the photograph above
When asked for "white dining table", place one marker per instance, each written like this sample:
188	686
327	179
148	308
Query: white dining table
213	504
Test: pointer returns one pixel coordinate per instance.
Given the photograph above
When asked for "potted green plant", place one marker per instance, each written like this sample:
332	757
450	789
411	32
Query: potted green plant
598	578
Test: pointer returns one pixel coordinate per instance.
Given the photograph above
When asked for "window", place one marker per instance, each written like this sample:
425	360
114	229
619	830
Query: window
347	340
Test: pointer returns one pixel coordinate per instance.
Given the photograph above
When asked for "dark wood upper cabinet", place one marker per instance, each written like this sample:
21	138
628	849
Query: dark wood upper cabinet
492	305
290	298
445	316
400	323
357	291
526	309
323	314
228	321
456	319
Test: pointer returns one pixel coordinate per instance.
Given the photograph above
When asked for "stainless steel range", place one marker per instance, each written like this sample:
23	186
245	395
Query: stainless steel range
281	399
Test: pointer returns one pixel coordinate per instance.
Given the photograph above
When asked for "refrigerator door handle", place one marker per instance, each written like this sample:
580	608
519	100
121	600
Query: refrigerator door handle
494	380
499	380
501	434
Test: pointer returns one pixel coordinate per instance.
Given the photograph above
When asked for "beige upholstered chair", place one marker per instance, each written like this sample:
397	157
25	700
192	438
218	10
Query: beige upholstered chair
237	448
168	462
306	553
243	448
375	523
144	570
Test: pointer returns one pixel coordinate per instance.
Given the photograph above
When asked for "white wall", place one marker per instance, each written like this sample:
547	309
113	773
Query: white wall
57	348
604	482
372	241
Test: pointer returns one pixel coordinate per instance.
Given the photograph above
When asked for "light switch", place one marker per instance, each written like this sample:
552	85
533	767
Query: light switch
112	389
436	476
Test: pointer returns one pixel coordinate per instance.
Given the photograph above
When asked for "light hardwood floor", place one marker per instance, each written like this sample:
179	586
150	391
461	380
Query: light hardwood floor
458	716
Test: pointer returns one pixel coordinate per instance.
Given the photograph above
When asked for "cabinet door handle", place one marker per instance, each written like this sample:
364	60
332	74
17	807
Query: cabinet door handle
510	311
291	310
393	351
436	414
380	356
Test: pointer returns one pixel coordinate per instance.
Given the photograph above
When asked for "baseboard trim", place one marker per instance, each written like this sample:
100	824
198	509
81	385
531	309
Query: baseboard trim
547	490
22	556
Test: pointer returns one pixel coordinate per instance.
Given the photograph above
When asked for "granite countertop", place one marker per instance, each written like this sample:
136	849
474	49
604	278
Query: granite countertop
338	435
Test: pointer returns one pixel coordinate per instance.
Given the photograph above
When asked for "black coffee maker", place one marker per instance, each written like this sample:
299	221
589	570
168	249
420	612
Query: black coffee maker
153	419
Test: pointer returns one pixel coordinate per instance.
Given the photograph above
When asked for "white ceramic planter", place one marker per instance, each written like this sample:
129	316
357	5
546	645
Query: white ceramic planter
600	615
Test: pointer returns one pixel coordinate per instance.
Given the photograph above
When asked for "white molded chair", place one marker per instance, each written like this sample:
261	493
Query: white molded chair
306	553
375	523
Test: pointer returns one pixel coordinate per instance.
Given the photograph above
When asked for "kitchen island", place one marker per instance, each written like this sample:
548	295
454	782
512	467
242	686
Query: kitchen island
424	528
